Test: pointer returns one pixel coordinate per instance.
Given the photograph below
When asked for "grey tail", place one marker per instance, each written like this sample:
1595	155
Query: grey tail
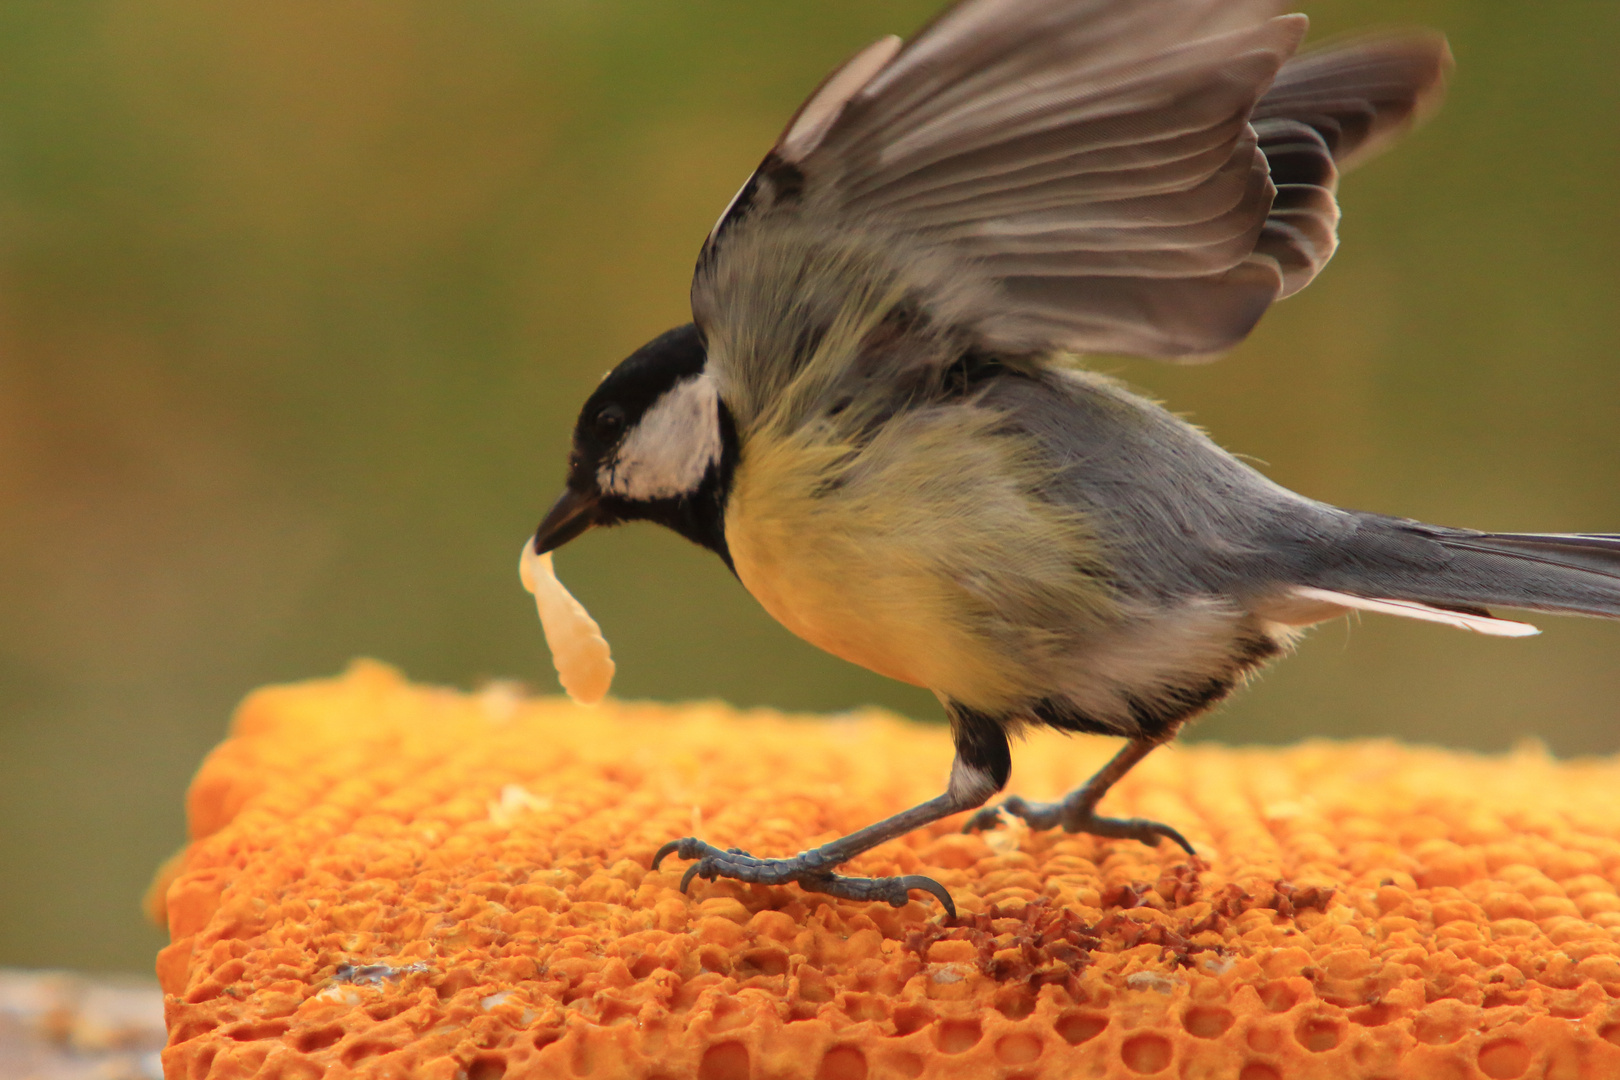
1565	573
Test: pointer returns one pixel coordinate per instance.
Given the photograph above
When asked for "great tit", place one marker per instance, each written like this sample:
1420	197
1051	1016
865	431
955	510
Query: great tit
876	419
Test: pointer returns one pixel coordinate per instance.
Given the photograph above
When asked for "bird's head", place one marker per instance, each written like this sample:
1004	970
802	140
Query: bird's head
654	442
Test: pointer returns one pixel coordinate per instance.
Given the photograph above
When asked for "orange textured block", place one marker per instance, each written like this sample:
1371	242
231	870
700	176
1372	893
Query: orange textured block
389	880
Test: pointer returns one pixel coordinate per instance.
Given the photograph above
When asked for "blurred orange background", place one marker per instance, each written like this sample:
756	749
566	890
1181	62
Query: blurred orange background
298	300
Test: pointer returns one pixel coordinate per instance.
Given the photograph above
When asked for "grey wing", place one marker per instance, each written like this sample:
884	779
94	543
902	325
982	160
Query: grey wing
1178	515
1092	162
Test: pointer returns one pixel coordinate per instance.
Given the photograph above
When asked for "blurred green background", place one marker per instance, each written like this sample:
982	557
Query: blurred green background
298	300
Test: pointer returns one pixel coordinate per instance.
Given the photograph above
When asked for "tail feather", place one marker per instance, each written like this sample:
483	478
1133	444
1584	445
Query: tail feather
1596	553
1394	562
1569	573
1479	622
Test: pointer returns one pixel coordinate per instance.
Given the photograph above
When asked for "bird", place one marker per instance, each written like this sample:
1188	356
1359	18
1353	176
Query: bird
880	419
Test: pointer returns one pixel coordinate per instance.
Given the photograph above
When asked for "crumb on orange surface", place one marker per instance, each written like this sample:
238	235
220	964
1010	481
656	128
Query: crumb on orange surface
401	881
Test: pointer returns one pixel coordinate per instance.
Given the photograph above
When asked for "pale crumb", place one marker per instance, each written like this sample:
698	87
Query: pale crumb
343	995
1151	980
1009	838
515	799
584	662
499	699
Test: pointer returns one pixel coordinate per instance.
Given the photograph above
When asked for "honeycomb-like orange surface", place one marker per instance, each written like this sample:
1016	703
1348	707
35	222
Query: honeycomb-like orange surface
392	880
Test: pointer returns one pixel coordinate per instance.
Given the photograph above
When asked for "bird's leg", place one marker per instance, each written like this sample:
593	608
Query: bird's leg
982	765
1077	811
813	869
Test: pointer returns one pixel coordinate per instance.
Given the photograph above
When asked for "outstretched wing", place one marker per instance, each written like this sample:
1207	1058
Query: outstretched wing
1091	162
1328	111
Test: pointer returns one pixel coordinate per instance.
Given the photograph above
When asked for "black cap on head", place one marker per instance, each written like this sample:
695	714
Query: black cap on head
630	389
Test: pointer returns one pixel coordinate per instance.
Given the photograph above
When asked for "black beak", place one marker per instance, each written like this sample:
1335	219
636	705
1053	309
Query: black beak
569	516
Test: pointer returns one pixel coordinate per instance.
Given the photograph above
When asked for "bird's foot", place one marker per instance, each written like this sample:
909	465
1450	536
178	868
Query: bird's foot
812	874
1050	815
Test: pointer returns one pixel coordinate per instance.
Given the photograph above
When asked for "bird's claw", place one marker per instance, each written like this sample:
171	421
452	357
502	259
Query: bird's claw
1049	815
1037	816
982	820
811	874
1142	830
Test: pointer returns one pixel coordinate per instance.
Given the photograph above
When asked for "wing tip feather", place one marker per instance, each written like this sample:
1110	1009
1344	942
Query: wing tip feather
820	110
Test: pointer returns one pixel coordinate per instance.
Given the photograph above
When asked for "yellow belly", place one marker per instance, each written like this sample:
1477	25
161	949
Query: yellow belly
911	564
837	602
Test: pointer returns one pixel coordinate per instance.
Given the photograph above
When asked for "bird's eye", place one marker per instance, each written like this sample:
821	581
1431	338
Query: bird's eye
609	422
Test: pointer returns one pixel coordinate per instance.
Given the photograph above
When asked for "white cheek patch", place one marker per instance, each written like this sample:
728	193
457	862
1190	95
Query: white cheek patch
668	452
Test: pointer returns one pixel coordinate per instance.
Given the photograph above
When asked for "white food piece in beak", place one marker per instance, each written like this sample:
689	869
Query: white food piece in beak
578	649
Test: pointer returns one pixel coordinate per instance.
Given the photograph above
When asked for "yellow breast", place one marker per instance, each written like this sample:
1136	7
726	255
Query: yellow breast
817	582
914	555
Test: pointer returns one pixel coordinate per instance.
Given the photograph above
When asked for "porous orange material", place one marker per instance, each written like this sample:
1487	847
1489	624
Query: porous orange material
389	880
